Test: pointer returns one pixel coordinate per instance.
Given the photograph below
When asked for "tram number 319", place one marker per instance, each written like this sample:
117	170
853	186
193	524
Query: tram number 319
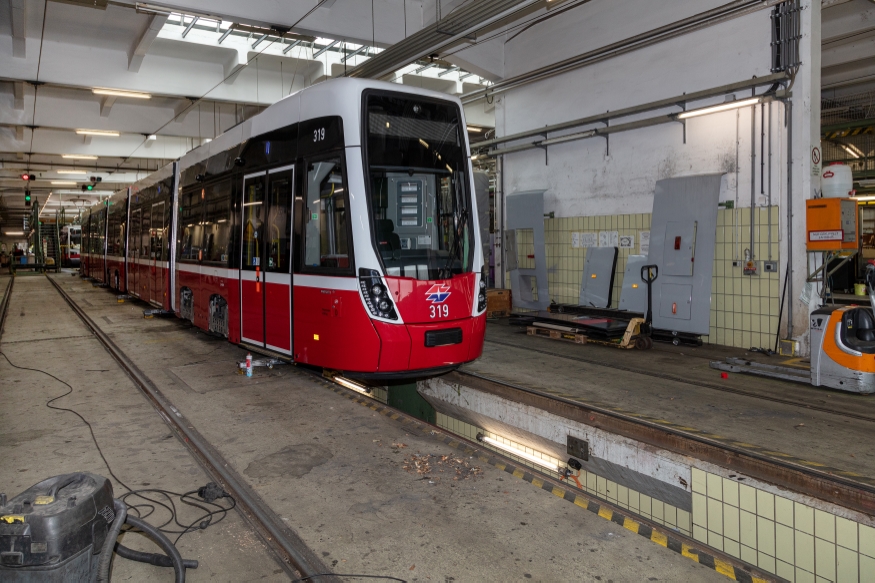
440	311
319	135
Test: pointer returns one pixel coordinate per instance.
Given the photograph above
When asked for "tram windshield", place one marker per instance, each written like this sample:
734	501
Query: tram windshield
420	200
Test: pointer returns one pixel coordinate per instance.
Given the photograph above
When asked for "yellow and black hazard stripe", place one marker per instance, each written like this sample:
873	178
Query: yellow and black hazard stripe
732	569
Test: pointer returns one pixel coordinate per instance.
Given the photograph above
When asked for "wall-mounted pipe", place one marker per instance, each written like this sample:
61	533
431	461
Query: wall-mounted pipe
598	132
636	109
706	19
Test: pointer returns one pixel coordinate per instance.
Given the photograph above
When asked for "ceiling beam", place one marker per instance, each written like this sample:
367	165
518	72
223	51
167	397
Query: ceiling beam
141	45
18	18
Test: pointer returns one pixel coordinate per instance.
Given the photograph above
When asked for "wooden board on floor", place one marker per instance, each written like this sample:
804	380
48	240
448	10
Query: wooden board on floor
556	334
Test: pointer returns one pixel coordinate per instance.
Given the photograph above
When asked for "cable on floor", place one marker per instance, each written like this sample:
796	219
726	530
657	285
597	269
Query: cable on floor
57	408
208	493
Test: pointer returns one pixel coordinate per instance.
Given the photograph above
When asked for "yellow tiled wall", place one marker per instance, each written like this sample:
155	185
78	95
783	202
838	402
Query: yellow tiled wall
744	309
787	538
781	536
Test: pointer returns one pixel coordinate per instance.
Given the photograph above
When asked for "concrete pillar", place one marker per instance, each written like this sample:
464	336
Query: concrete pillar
804	172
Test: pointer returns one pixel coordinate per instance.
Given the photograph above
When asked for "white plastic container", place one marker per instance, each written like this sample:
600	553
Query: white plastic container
837	181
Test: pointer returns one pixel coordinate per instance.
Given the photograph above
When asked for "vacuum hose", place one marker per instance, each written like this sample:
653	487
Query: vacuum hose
156	559
163	542
121	515
171	559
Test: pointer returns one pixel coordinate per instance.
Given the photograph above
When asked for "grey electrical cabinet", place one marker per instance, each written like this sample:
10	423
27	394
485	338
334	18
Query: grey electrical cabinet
633	295
683	234
597	282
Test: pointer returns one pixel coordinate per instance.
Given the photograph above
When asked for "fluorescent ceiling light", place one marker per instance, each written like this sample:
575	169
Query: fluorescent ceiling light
518	452
80	172
323	49
78	157
358	51
63	183
153	137
14	233
293	45
424	67
108	133
121	93
850	152
719	108
474	130
864	198
450	70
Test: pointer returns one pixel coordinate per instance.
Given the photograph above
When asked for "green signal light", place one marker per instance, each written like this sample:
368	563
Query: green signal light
27	197
89	187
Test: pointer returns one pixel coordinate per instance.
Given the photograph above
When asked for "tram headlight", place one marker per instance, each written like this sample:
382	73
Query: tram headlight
376	296
481	293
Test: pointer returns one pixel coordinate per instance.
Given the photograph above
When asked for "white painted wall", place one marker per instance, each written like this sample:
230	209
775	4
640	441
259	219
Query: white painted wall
580	178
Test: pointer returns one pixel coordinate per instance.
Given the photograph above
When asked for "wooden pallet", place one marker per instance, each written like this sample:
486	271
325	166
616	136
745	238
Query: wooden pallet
556	334
498	314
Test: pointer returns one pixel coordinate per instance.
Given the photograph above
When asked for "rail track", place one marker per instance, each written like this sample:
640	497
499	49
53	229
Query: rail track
815	479
292	553
704	385
4	305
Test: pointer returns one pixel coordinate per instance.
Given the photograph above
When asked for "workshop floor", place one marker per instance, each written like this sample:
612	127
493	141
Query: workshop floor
342	476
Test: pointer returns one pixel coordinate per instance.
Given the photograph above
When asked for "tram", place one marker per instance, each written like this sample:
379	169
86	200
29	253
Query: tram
71	241
336	229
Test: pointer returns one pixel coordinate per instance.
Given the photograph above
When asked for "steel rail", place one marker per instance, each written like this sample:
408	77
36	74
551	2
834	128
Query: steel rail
297	559
682	380
4	306
823	485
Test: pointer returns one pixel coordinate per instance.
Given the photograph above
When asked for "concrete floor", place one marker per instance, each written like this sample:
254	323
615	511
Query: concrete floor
37	442
807	434
333	469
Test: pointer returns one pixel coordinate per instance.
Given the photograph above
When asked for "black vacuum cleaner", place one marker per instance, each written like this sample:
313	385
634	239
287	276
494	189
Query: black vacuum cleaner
64	529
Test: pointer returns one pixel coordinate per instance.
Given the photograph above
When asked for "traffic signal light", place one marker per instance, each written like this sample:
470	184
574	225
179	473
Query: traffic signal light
28	177
27	198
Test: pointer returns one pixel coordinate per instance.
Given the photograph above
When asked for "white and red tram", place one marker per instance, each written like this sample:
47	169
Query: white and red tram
337	228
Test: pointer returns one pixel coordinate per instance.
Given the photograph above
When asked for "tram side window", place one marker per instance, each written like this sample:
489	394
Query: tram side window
217	228
145	224
253	224
191	225
115	243
326	218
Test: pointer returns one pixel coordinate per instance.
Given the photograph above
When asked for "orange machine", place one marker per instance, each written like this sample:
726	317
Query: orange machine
831	224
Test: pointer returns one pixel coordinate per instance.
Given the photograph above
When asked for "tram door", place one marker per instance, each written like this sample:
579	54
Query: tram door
156	253
133	270
265	275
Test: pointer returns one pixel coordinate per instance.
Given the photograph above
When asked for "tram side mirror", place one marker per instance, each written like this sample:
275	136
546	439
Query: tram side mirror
239	161
574	464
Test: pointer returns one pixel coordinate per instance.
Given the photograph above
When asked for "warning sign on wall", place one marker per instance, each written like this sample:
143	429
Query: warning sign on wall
815	161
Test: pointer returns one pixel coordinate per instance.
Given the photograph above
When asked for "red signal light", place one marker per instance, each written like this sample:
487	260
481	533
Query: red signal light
28	177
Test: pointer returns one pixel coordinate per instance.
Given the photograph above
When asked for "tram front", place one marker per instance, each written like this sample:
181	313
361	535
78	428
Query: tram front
427	295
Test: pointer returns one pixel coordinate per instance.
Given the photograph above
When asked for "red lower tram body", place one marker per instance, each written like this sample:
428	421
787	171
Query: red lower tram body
322	321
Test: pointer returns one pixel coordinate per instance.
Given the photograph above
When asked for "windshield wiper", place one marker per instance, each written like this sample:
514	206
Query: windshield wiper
460	219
